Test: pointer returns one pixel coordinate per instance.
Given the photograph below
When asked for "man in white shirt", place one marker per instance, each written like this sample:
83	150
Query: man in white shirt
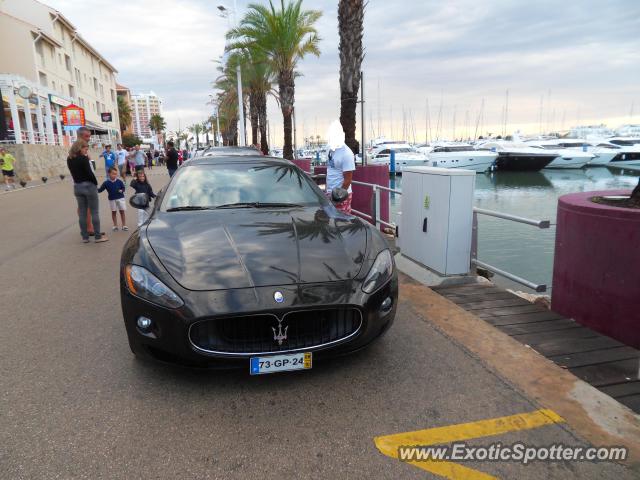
121	153
340	165
139	157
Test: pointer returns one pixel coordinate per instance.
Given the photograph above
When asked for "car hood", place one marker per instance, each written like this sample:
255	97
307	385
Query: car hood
241	248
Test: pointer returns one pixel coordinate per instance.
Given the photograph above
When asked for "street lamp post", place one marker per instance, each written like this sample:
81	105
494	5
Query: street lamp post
224	11
217	139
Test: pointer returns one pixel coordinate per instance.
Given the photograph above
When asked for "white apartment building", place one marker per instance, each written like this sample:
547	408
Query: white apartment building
143	107
45	65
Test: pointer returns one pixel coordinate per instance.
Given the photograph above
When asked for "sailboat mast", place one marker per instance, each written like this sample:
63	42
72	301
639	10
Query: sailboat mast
506	111
541	105
455	107
439	122
379	107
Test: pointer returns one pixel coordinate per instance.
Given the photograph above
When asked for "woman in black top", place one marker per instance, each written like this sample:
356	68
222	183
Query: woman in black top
85	188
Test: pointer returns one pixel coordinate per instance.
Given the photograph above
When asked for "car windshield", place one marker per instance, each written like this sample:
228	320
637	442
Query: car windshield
240	185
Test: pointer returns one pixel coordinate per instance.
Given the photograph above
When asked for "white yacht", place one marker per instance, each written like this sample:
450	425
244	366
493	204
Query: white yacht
459	155
628	154
590	131
405	156
630	130
624	141
604	152
567	157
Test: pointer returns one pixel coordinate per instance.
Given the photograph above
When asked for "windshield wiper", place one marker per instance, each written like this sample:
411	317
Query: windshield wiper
258	205
276	205
188	207
238	205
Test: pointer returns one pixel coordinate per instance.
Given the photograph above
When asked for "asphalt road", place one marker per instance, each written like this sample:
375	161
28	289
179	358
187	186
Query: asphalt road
75	403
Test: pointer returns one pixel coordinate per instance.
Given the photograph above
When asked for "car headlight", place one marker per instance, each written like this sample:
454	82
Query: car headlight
144	284
380	272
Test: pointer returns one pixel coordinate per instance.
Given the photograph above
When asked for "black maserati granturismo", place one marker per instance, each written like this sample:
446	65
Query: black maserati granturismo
245	261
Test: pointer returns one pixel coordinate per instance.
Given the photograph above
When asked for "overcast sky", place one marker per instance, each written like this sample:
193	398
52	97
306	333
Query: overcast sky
576	61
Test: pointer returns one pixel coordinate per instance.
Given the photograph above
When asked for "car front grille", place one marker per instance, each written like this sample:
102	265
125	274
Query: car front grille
254	334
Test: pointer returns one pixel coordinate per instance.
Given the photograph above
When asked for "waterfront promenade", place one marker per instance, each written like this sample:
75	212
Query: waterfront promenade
77	404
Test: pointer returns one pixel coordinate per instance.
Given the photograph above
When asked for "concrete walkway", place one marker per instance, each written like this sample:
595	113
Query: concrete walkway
76	403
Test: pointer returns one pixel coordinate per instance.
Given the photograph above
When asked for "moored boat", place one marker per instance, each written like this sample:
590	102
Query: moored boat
514	156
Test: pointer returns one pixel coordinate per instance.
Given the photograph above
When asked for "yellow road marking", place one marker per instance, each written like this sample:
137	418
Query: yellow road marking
388	444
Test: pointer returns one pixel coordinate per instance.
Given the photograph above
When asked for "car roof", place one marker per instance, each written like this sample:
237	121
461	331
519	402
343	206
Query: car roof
257	158
228	150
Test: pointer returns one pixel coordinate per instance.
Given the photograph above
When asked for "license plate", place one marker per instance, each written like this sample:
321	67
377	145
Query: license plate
280	363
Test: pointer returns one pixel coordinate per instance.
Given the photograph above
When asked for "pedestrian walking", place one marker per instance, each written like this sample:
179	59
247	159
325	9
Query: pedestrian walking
139	158
8	161
109	159
115	188
121	153
131	161
340	165
149	160
85	189
171	159
141	185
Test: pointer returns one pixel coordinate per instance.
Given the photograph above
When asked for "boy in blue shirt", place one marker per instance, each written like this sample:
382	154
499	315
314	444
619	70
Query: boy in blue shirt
109	158
115	188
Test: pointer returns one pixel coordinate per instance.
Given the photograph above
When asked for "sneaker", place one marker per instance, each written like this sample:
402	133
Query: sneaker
125	228
85	240
114	228
102	239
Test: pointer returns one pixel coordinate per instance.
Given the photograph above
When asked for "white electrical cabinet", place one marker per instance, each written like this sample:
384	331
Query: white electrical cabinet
437	218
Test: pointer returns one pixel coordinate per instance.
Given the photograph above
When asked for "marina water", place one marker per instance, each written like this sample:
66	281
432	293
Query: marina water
522	249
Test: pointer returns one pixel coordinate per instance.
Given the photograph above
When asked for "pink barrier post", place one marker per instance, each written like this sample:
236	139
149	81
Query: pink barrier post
596	273
303	164
363	195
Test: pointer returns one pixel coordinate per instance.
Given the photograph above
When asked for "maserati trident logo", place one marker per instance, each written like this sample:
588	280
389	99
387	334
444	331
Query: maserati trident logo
278	297
280	336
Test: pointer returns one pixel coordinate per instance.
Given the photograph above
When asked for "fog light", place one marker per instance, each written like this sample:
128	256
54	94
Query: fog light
144	323
386	304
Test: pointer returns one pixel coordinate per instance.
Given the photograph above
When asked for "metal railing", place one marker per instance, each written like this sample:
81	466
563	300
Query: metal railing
542	224
374	218
376	206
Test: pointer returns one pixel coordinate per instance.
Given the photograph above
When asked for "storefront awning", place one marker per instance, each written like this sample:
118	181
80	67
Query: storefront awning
96	129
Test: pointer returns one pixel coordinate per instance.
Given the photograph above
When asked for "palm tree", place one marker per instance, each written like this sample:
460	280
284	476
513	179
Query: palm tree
124	114
157	125
206	127
257	79
227	102
350	28
196	129
284	36
184	137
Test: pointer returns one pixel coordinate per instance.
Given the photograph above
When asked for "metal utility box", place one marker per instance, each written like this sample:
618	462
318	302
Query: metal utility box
437	218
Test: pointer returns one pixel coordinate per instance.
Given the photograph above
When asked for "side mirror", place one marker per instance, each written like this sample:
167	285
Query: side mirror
140	201
339	195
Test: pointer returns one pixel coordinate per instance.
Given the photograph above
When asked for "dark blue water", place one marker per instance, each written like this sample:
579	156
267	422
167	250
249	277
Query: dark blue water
522	249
